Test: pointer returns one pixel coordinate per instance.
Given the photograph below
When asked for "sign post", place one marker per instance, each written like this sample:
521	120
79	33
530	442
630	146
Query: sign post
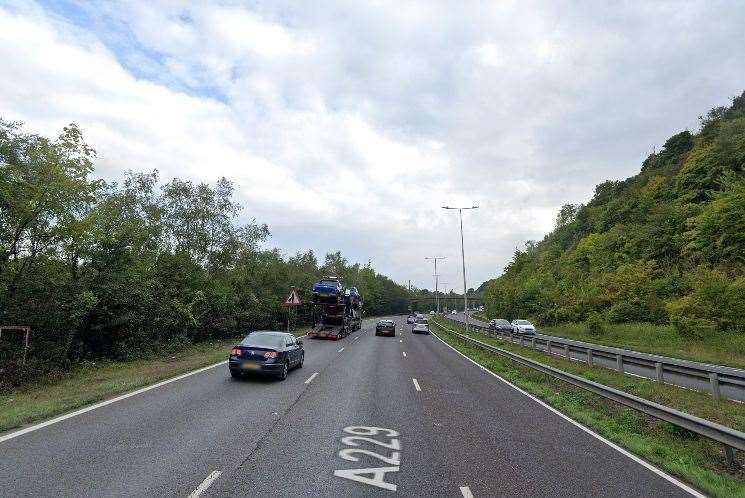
292	301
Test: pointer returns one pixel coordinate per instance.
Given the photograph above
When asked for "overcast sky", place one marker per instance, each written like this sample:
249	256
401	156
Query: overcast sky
346	125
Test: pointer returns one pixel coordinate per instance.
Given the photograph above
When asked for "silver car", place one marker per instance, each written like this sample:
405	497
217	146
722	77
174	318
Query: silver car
421	326
522	327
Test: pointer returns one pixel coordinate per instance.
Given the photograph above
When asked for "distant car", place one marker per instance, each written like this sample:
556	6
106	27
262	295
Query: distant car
421	326
386	327
432	312
419	316
266	352
410	319
453	312
500	325
522	327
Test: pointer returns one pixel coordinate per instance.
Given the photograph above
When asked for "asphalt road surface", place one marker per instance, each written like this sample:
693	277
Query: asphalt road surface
384	415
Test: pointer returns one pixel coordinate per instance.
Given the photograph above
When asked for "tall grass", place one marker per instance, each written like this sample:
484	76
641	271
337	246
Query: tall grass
719	348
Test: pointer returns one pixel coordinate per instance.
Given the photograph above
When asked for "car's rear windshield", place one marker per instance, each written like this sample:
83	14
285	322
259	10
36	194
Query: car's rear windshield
329	282
386	322
259	340
421	320
501	322
523	322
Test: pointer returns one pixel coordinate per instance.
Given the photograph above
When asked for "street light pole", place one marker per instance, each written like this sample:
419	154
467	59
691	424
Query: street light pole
437	297
444	299
463	258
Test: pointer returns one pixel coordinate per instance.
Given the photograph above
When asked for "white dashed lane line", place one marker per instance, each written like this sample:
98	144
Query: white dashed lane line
416	384
342	349
466	492
310	379
404	353
205	484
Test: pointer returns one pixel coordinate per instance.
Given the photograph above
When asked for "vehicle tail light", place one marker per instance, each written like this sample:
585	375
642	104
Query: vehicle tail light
270	354
235	352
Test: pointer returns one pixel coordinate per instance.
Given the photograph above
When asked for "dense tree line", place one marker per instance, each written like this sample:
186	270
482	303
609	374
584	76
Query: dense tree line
664	246
125	270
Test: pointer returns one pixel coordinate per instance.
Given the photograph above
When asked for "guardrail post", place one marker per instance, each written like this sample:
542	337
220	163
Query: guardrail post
619	363
522	343
729	455
566	351
658	370
548	346
532	342
715	392
589	357
509	334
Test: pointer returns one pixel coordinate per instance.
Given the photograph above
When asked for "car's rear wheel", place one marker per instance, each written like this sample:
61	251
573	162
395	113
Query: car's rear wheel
283	372
302	359
235	374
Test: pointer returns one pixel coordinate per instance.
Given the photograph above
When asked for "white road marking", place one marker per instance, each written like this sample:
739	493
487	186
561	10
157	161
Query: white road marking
310	379
356	338
466	492
205	484
404	352
633	457
342	349
400	340
416	385
104	403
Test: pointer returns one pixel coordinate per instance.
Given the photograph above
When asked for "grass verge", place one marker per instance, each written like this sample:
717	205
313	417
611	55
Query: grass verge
93	382
693	459
718	348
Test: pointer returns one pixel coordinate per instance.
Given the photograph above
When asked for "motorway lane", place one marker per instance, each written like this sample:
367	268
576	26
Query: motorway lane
464	428
161	442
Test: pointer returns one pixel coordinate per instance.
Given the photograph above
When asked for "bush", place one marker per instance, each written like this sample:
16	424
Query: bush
595	324
625	311
692	328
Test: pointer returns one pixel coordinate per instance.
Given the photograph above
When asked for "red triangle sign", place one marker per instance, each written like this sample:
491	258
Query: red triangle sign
293	299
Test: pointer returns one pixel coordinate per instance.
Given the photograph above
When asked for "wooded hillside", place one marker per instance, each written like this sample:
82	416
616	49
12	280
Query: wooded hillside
124	270
664	246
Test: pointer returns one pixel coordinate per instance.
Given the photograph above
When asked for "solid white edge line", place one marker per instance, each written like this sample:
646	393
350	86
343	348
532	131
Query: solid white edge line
466	492
310	379
205	484
416	384
589	431
104	403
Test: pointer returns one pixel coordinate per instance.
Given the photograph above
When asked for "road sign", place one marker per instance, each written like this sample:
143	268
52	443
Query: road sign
293	299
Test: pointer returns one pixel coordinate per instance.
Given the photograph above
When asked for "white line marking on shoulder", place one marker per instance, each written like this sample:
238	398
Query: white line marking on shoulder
416	384
613	445
466	492
205	484
310	379
104	403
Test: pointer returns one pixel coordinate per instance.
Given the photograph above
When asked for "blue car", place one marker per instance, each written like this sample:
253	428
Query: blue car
327	290
266	352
